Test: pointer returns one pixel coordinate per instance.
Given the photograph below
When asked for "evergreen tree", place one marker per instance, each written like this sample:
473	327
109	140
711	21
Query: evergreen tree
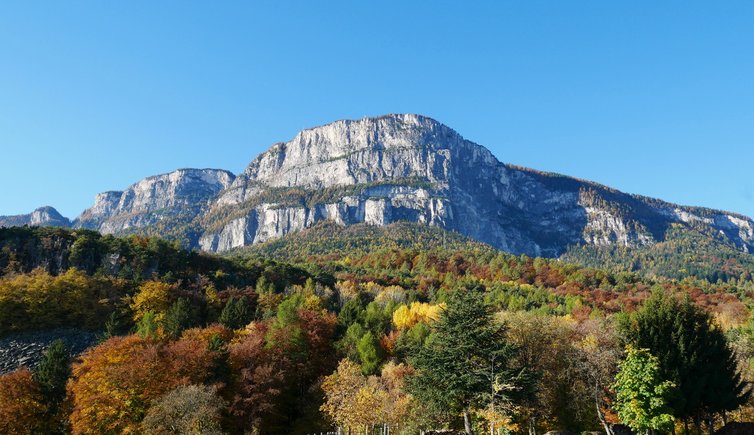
147	326
236	314
53	371
464	363
352	312
693	353
370	354
52	374
113	326
178	318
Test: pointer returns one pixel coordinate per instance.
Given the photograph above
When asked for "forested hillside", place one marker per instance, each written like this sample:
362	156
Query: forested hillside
367	332
694	251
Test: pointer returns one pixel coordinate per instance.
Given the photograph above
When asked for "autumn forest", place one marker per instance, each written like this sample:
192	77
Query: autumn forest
364	335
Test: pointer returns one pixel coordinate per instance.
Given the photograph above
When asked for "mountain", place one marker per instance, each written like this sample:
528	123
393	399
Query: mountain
163	204
41	217
409	167
393	168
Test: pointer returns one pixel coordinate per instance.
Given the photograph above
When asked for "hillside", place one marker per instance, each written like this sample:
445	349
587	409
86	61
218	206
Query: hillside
684	252
330	241
263	334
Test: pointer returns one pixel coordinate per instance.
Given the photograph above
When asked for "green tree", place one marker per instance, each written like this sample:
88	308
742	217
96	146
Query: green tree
237	313
147	326
178	318
464	363
693	354
352	312
52	374
370	354
53	371
641	394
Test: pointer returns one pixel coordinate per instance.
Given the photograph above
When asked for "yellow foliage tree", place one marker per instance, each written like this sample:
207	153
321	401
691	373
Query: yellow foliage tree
116	382
39	300
152	296
407	316
354	401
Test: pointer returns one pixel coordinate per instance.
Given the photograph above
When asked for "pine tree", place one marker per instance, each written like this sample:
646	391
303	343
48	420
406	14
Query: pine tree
52	374
693	353
236	314
464	363
147	326
370	354
178	318
53	371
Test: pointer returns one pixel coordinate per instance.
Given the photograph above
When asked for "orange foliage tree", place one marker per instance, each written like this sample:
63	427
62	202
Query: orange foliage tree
22	408
116	382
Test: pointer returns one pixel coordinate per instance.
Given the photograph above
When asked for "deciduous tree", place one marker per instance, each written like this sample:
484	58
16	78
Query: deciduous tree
641	393
22	407
186	410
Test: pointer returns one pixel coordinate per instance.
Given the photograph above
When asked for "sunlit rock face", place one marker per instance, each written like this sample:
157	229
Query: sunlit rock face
183	193
41	217
387	169
410	167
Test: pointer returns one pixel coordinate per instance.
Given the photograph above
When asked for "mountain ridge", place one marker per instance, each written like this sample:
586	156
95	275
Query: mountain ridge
393	168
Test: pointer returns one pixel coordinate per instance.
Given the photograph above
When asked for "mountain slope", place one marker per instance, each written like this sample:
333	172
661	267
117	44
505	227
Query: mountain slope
329	240
393	168
685	251
163	204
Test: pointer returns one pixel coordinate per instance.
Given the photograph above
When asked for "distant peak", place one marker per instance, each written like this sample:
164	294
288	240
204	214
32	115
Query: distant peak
49	210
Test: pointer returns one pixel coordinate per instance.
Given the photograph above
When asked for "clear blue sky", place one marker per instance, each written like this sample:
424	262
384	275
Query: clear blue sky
655	98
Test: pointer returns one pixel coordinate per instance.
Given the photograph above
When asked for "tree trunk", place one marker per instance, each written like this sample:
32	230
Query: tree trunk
600	415
467	421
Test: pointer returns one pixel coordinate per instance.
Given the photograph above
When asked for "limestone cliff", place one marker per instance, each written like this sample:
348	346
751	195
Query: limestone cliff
178	196
41	217
396	168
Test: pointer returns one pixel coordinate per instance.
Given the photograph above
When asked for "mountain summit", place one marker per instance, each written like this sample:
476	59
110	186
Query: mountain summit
397	168
42	217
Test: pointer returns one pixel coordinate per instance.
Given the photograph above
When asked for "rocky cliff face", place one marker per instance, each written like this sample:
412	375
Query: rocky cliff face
392	168
409	167
41	217
176	197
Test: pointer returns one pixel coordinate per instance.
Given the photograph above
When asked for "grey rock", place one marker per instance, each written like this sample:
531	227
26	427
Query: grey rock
42	217
28	348
179	194
410	167
387	169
